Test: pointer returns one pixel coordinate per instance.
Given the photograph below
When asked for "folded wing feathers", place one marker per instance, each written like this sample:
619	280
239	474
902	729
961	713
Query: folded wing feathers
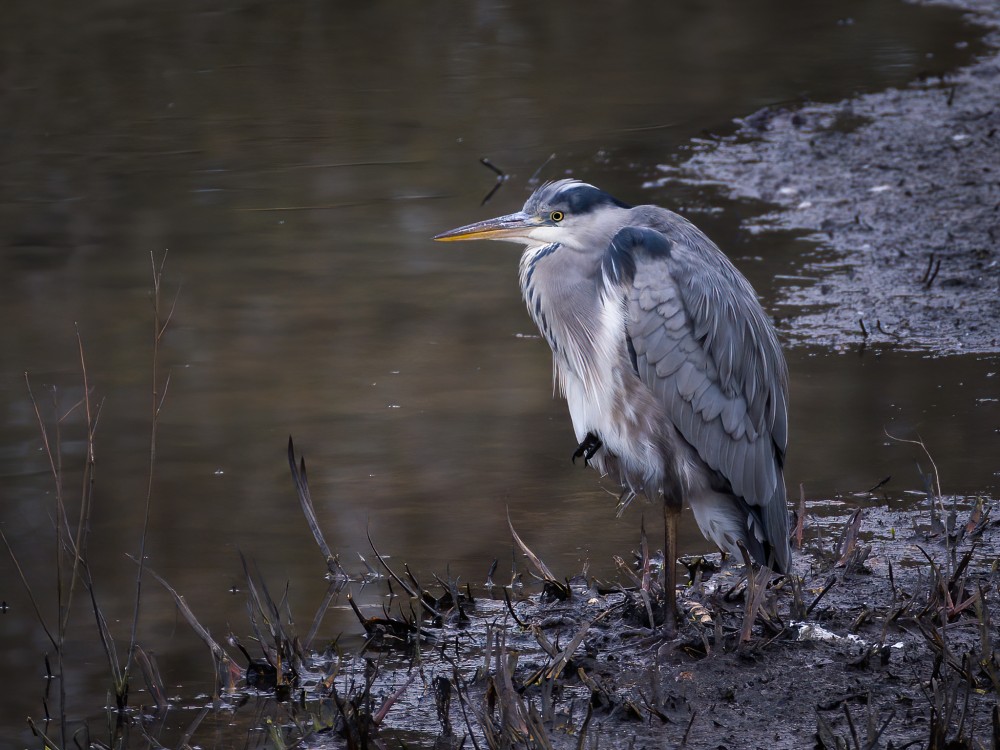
701	353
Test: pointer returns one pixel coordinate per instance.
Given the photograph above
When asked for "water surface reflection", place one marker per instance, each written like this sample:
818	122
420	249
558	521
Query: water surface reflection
295	158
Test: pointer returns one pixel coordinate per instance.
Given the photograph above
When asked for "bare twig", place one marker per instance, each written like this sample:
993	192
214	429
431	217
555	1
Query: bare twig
31	596
829	584
501	179
923	447
119	676
86	496
156	404
881	483
687	731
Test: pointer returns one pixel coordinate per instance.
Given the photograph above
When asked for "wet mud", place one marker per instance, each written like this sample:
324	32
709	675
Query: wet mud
882	637
900	193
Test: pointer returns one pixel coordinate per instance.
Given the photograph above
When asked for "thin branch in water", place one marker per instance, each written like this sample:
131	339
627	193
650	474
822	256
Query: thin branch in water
163	396
937	477
31	595
156	404
829	584
86	497
44	433
107	640
501	179
495	169
882	483
173	303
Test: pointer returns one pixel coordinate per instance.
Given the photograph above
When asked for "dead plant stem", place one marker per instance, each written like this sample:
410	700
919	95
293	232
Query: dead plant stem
159	329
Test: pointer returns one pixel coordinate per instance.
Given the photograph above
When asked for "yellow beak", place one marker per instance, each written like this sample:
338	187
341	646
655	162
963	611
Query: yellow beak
510	227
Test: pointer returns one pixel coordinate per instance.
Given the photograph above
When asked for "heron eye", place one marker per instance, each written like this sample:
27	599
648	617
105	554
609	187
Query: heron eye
556	216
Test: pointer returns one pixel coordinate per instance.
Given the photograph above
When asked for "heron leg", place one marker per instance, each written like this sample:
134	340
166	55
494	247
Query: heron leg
671	516
590	445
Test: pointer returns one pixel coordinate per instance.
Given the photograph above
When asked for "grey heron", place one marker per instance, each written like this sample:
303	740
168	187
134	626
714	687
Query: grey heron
672	371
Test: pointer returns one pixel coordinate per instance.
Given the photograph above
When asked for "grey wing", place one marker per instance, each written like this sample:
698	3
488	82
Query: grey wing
705	347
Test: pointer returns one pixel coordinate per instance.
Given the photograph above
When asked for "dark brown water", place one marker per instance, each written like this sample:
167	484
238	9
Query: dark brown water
295	158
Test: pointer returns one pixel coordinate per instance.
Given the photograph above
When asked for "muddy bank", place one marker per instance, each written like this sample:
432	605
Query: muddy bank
900	191
882	638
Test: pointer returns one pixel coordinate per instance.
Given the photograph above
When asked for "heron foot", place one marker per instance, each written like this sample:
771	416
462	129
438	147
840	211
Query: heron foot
590	445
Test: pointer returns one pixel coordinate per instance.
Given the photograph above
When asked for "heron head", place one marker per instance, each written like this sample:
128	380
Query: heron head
569	212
